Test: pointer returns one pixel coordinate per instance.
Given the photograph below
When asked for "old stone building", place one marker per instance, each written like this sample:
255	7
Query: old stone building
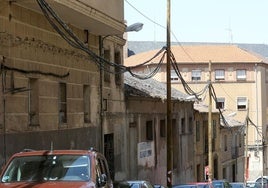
56	91
146	130
227	146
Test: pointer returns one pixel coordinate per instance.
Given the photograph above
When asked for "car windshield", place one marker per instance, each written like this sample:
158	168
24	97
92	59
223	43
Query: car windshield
48	168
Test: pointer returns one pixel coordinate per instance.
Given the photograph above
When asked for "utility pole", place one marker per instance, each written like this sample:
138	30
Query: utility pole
246	150
210	157
169	145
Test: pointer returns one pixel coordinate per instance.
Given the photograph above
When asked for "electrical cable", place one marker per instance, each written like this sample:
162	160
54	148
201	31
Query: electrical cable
67	34
4	67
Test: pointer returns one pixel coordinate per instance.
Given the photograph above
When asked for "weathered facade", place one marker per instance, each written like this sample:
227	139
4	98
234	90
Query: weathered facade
227	146
53	92
239	79
146	128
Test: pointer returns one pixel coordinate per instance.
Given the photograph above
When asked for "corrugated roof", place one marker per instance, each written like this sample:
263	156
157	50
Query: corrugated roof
151	88
200	54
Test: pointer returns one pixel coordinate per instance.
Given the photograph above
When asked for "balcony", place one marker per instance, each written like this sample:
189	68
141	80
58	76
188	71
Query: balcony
96	16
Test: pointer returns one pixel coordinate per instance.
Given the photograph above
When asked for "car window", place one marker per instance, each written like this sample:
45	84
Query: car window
147	185
48	168
135	185
217	185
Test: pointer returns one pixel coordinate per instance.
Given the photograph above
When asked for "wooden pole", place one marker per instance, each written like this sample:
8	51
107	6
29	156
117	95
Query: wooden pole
169	122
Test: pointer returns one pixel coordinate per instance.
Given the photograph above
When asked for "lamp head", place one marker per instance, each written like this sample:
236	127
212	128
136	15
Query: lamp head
134	27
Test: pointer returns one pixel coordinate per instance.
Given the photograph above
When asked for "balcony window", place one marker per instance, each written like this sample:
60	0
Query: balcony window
220	103
241	74
173	76
196	75
241	103
219	74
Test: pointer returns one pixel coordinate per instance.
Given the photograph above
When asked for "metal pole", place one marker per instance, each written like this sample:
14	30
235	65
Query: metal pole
246	151
169	122
210	156
101	94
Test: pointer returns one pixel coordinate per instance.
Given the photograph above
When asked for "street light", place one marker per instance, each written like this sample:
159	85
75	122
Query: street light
134	27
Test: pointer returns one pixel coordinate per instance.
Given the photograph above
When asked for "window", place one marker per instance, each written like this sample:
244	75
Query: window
225	142
105	105
86	95
220	103
241	74
117	59
240	140
33	102
182	126
196	75
149	130
162	128
62	103
173	76
197	131
190	127
241	103
219	74
214	128
107	66
224	173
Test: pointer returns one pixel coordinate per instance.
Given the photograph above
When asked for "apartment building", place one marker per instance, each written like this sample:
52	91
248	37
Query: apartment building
239	79
53	92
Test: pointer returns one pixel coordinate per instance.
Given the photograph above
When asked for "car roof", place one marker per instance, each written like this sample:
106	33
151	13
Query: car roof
220	180
135	181
54	152
185	185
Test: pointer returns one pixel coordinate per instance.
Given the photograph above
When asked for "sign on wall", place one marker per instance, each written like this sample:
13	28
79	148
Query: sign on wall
146	154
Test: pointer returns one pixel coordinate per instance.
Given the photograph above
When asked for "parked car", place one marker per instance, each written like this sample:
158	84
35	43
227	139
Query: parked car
237	184
203	184
221	184
185	186
253	184
262	181
56	168
134	184
159	186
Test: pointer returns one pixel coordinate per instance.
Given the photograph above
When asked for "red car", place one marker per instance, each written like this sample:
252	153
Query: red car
56	168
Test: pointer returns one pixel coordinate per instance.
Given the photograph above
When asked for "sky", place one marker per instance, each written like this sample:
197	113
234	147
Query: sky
224	21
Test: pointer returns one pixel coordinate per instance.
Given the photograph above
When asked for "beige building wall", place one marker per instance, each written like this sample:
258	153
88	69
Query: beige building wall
41	75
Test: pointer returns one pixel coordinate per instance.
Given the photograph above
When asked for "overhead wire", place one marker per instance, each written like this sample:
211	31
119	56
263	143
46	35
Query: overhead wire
163	27
186	87
152	73
67	34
